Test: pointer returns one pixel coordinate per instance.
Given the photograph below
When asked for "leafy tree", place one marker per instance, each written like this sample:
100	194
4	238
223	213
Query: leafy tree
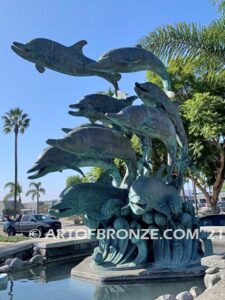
200	100
15	121
9	212
93	175
71	180
10	194
223	188
206	126
35	191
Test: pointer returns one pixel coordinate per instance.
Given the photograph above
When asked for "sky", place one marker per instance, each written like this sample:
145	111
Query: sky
45	97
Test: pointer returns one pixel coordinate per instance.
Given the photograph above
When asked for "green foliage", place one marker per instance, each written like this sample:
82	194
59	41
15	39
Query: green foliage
9	212
12	239
204	44
200	100
10	194
220	4
15	120
71	180
206	116
93	175
35	190
223	188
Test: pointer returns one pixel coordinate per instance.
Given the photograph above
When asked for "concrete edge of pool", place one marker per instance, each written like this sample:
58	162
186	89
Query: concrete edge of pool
86	272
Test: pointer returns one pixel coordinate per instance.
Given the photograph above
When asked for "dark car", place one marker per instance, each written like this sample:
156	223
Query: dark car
38	223
212	220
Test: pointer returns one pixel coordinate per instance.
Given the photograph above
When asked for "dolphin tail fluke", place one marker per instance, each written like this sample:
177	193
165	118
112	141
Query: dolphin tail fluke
113	78
167	85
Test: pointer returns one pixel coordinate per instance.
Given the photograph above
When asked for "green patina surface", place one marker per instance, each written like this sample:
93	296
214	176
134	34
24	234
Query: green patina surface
139	199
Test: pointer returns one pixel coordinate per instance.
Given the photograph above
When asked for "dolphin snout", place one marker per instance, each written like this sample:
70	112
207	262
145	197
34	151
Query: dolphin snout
19	45
60	206
74	113
52	142
137	85
35	168
77	105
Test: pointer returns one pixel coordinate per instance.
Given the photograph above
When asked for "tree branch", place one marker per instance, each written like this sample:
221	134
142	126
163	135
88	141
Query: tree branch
199	186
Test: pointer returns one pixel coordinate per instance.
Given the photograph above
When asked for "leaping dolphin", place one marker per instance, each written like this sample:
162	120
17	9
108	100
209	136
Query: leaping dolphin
99	143
149	122
49	54
86	198
152	96
132	59
94	106
56	160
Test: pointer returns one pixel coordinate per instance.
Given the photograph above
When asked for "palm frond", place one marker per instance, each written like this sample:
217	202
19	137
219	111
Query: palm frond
188	40
31	192
7	197
15	118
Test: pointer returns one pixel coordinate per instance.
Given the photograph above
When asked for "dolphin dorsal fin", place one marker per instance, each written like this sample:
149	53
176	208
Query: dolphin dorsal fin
78	47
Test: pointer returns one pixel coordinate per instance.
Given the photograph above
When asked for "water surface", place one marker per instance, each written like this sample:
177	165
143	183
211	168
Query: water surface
54	283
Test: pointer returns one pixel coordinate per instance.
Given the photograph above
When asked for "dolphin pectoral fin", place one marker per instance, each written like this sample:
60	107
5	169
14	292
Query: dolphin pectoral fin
40	68
78	47
66	130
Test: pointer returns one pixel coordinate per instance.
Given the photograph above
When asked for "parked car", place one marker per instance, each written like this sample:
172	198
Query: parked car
31	222
212	220
221	206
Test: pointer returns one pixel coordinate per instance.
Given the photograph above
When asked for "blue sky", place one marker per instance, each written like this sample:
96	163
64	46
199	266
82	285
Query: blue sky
45	97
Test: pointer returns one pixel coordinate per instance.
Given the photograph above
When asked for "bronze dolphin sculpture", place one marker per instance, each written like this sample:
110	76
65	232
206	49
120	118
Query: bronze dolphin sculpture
153	96
132	59
56	160
49	54
150	122
86	198
94	106
99	143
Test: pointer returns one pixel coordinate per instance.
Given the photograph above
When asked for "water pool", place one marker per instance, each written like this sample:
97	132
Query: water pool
54	283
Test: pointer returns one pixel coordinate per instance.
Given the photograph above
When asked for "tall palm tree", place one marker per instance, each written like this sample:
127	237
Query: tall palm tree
35	191
191	41
11	186
15	121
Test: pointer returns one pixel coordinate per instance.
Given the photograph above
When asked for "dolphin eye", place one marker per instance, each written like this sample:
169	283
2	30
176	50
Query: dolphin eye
27	50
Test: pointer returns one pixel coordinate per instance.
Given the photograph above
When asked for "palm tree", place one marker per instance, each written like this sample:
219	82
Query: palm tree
11	186
15	121
35	191
190	41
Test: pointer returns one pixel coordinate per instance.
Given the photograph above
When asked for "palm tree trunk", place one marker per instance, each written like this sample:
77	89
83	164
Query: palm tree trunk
20	204
38	204
16	171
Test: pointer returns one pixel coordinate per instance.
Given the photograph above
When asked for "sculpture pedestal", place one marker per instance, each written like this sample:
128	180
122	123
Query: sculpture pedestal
88	271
